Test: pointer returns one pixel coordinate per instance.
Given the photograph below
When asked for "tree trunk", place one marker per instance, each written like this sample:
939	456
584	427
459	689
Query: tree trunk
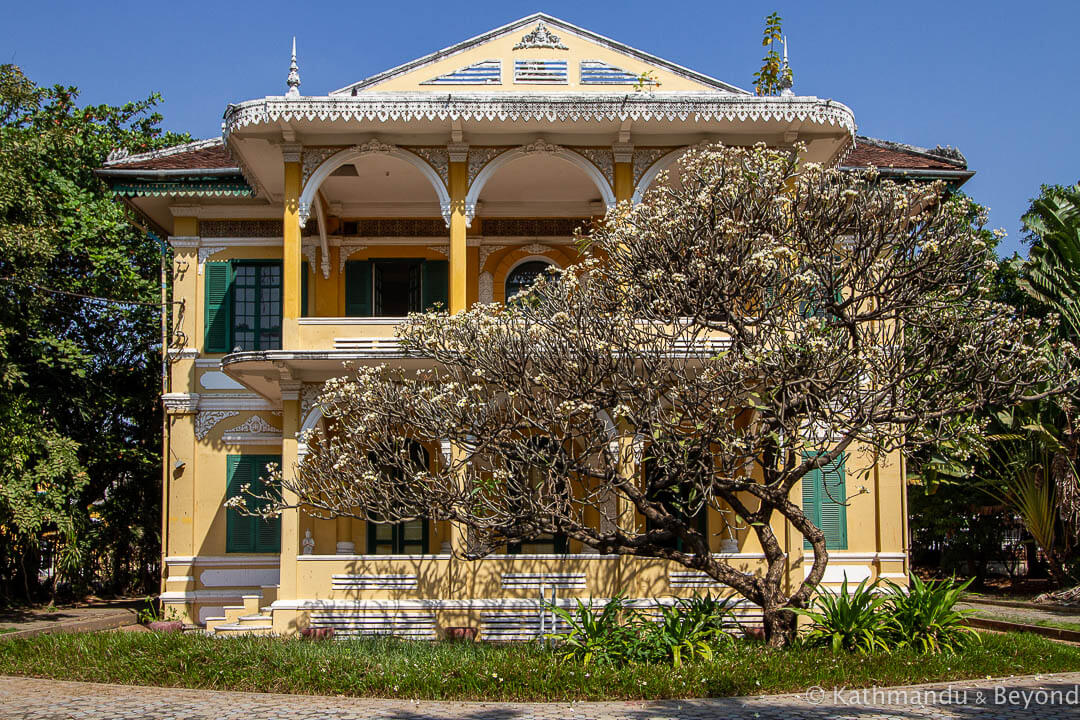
780	626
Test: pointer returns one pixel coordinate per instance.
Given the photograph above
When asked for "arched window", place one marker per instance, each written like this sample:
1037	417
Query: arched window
523	276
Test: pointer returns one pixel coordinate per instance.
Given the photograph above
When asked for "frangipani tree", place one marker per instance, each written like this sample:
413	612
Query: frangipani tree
737	330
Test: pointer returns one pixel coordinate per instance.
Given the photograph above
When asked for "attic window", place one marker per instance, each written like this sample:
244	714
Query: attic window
488	72
595	72
540	72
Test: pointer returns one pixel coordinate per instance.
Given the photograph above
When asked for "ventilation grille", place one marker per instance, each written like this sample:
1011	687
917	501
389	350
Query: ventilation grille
594	72
540	72
488	72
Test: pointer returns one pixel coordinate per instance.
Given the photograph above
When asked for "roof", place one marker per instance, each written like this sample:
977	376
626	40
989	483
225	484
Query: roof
554	22
199	155
886	154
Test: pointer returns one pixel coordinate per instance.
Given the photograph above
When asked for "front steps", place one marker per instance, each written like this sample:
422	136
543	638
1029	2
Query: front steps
254	617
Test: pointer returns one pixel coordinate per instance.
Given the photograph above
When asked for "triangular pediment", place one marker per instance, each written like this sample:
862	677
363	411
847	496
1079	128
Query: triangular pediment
539	53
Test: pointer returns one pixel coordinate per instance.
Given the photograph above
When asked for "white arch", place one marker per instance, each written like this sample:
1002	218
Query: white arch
374	147
314	417
578	161
655	169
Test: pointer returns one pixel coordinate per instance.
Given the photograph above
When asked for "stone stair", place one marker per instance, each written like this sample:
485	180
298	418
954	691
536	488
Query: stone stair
254	617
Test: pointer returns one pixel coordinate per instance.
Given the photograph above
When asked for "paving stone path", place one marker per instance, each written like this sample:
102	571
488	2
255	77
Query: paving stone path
1046	697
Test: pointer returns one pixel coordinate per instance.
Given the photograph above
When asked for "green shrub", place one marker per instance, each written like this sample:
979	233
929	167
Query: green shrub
924	617
852	621
615	634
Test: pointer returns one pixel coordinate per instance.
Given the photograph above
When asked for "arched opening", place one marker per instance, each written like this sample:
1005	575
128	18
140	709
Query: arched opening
523	275
668	163
539	183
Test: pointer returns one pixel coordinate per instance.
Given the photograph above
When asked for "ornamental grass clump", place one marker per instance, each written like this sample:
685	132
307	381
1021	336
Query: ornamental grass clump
689	630
855	621
925	618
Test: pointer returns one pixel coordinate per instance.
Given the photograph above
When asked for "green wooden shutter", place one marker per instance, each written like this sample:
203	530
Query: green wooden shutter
239	529
304	291
824	493
436	284
358	288
218	321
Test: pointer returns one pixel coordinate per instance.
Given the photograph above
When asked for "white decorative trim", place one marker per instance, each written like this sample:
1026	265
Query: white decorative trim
442	249
235	402
313	158
372	582
176	354
214	363
184	241
118	159
540	37
178	403
437	158
602	158
253	431
205	252
343	257
377	147
205	420
538	146
181	579
536	249
657	107
845	556
309	253
387	604
479	157
692	579
486	287
839	573
222	560
517	581
486	252
644	158
186	596
239	577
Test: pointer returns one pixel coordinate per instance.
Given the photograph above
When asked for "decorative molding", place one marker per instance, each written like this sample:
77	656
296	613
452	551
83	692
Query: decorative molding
487	250
308	395
643	159
234	229
313	158
701	107
479	157
291	152
255	424
539	145
374	146
235	402
184	241
540	37
206	252
623	152
536	248
371	582
180	403
253	431
239	577
458	152
176	354
486	284
602	158
442	249
438	158
205	420
309	253
343	255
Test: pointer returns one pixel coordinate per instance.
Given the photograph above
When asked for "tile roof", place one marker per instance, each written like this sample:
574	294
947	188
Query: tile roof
198	155
887	154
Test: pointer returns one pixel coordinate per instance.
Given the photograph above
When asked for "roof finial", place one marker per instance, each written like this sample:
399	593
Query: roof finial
294	74
785	74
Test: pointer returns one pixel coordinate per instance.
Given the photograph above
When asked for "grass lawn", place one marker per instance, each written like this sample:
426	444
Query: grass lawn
6	630
460	671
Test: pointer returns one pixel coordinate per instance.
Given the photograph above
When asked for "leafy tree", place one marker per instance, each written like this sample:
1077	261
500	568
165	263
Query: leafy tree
733	333
775	75
79	428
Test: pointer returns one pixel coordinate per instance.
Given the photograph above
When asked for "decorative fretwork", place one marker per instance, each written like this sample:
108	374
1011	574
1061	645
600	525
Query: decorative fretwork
487	250
205	420
481	156
538	227
486	292
602	158
438	158
313	158
395	227
240	228
645	157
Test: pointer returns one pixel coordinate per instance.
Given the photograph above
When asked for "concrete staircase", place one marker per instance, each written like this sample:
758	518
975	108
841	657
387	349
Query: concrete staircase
254	617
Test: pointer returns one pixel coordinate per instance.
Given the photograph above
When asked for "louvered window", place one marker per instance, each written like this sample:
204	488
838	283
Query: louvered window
594	72
243	305
824	497
488	72
540	72
244	533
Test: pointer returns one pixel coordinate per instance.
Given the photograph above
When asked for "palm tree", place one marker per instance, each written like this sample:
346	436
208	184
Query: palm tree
1052	272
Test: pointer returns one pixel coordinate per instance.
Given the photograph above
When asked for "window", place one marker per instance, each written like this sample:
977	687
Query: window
244	533
675	499
823	498
523	276
243	305
402	538
531	483
394	288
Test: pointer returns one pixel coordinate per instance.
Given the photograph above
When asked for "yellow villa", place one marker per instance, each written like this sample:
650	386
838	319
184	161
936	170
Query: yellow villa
305	233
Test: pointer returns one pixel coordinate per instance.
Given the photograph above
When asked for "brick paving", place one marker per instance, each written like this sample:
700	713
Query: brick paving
1047	697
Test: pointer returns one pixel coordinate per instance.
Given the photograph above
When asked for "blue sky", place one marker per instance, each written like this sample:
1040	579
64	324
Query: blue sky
995	79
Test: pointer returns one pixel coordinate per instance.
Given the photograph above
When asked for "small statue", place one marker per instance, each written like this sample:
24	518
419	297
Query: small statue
308	542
